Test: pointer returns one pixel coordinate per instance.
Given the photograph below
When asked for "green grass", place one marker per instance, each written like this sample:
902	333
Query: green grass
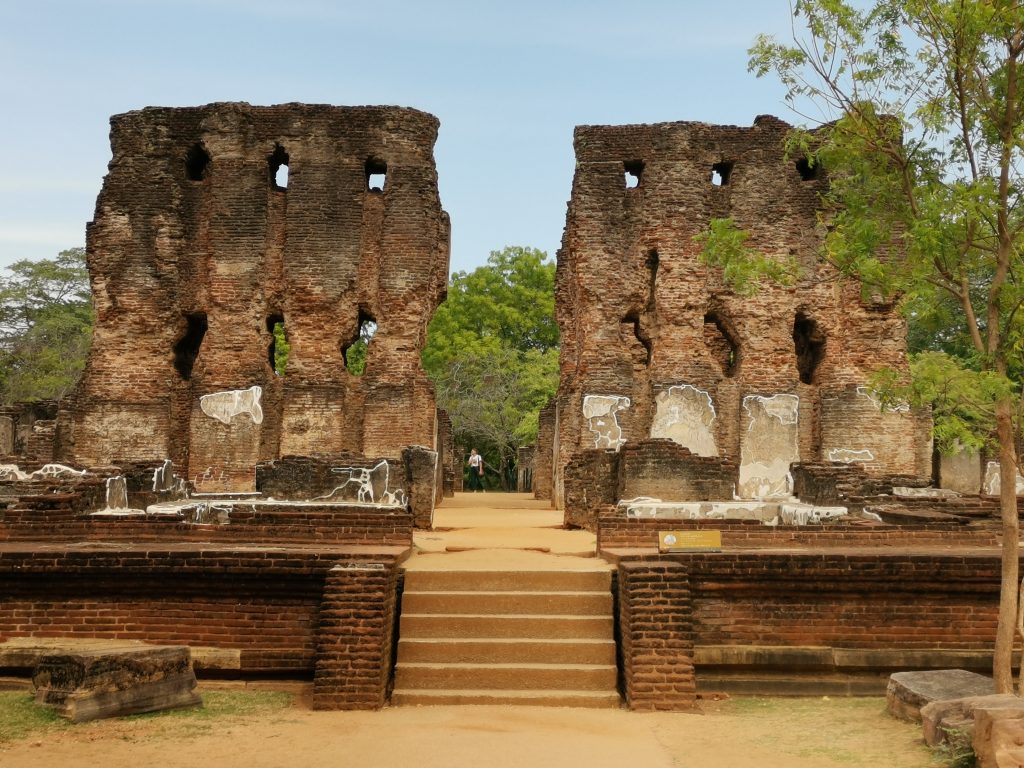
22	718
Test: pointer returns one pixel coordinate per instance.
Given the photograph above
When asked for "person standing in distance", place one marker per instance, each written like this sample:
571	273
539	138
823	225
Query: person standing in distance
476	470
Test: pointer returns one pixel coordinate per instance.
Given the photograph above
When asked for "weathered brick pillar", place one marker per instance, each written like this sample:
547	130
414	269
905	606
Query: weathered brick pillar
656	625
355	637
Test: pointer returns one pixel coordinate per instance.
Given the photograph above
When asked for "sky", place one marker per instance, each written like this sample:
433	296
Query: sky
509	80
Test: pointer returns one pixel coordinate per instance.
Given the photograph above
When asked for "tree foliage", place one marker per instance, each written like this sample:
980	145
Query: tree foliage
919	106
45	326
492	352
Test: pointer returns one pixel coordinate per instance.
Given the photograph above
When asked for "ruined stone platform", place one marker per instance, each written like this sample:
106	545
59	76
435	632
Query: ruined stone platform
908	692
116	680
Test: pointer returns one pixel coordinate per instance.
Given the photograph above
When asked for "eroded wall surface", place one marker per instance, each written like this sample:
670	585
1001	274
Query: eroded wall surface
200	245
654	344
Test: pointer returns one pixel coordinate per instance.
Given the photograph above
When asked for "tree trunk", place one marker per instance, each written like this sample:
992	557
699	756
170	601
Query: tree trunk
1002	660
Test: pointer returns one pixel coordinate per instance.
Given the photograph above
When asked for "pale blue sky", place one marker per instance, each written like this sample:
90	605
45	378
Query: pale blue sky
508	80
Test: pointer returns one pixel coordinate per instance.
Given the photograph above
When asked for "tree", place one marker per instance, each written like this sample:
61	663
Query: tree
919	106
492	353
45	326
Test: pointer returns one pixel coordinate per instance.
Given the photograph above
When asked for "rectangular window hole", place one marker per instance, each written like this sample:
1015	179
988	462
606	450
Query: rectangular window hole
634	172
376	174
720	173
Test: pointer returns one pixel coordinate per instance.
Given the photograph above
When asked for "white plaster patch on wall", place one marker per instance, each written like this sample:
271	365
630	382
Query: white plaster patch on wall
601	411
849	455
686	415
47	471
769	446
12	472
371	485
993	477
870	394
785	408
224	406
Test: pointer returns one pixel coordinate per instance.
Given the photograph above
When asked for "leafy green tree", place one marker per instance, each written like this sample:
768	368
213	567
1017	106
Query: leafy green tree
45	326
919	105
492	353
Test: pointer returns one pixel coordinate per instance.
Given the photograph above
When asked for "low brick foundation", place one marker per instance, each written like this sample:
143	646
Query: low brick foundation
800	614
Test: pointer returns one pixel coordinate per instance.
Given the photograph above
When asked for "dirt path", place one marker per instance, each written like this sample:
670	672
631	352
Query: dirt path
841	733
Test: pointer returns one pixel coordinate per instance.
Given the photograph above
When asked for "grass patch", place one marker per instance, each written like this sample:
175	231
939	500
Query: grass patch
22	718
227	704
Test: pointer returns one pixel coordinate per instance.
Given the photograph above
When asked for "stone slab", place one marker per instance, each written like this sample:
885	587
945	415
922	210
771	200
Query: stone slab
110	682
908	692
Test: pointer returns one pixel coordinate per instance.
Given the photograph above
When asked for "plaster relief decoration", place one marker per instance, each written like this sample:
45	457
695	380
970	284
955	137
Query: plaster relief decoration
686	415
993	477
46	472
872	396
600	412
11	472
849	455
224	406
369	485
770	443
57	470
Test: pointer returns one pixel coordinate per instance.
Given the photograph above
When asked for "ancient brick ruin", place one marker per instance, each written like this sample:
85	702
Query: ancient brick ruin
200	246
656	346
681	406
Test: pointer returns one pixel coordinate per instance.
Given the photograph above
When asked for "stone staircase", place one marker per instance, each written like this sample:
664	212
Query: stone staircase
506	637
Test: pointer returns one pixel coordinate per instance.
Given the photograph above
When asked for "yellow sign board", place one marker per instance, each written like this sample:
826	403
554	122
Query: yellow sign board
689	541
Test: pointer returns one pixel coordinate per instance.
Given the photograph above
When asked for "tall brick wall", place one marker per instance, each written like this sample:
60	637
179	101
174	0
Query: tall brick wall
194	253
654	344
543	454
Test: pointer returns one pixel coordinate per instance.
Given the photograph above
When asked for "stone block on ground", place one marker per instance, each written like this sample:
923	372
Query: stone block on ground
998	737
908	692
952	720
116	680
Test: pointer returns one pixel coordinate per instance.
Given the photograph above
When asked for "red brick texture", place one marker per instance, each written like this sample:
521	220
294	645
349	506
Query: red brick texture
288	611
656	636
356	636
639	313
881	601
195	253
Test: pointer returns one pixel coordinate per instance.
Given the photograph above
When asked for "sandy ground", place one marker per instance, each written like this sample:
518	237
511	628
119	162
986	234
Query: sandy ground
483	531
735	734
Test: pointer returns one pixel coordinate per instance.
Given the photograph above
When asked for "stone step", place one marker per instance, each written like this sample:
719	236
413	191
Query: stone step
506	602
444	697
505	651
515	581
543	677
467	625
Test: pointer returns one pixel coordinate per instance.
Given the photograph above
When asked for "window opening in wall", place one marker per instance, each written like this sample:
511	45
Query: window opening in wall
186	349
354	353
809	343
197	163
807	170
376	174
721	344
720	173
278	163
278	349
634	173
